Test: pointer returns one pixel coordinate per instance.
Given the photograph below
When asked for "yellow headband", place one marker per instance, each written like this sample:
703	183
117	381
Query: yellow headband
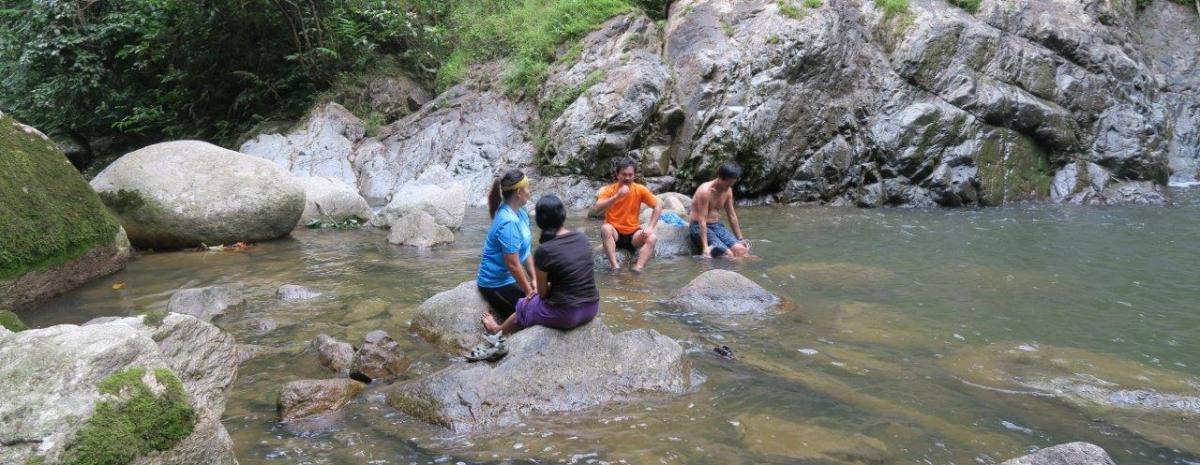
522	183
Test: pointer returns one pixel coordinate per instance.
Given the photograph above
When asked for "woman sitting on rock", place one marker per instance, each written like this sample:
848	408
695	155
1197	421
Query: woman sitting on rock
566	290
506	268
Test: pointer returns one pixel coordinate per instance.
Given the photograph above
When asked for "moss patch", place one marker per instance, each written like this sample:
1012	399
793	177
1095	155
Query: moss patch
418	404
136	422
154	317
50	214
1012	168
11	321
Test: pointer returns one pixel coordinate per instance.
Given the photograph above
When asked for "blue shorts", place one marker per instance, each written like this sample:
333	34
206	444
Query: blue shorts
719	238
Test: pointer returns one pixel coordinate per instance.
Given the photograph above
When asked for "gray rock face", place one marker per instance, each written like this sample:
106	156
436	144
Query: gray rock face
380	358
391	96
722	292
204	302
335	355
1090	184
451	319
328	200
51	376
1074	453
419	229
446	205
307	397
621	82
576	193
547	371
293	292
323	147
187	193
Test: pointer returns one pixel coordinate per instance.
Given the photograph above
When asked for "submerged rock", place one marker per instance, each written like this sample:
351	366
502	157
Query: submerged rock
335	355
293	292
205	303
547	371
770	436
1074	453
57	234
419	229
307	397
722	292
187	193
451	319
54	378
1155	403
380	358
330	201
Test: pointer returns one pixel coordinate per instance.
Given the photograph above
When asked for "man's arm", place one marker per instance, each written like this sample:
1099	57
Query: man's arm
602	205
700	210
733	219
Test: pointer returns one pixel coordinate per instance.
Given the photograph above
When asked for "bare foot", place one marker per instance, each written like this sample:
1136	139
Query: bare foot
615	265
637	269
489	323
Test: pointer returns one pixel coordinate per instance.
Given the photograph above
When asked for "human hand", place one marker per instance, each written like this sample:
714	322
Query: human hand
622	192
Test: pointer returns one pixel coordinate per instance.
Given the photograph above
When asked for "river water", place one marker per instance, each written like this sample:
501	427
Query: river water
889	313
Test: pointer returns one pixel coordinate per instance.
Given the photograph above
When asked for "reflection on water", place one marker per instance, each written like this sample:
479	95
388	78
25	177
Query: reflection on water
882	355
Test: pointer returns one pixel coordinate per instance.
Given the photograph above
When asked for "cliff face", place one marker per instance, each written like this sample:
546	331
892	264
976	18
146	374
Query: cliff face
1067	100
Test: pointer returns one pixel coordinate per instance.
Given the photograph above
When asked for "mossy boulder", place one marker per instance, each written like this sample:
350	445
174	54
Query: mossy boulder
187	193
57	233
117	392
11	322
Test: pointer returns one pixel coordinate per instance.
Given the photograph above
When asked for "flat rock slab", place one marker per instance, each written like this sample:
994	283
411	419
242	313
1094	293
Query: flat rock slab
547	371
307	397
451	319
722	292
204	303
1074	453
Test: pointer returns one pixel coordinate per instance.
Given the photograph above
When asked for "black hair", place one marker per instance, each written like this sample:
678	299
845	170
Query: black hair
625	162
730	170
498	192
550	215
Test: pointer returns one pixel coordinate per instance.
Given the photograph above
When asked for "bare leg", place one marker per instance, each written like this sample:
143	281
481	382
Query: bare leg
508	327
608	237
645	249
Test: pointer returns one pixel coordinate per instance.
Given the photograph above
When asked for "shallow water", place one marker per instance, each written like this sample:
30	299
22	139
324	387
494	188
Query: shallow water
855	370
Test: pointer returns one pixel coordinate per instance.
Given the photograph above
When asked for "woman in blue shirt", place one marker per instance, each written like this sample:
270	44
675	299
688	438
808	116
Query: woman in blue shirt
506	268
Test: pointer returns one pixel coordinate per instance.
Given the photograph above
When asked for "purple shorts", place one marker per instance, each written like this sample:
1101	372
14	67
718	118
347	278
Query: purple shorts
532	311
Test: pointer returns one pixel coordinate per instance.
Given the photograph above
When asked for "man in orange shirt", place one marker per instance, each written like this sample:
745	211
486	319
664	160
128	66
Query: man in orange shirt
621	202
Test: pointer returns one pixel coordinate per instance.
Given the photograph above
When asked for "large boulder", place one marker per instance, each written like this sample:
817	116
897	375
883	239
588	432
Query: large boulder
451	319
204	302
723	292
419	229
330	201
307	397
186	193
57	235
447	206
673	241
66	385
547	371
1074	453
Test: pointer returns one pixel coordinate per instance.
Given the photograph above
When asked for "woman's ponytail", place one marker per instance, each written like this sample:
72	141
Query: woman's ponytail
494	197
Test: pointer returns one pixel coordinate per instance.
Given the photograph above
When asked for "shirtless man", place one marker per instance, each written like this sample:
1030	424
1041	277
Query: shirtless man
621	202
706	231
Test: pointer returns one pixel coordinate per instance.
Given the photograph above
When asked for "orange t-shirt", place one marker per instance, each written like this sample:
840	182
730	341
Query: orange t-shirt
623	214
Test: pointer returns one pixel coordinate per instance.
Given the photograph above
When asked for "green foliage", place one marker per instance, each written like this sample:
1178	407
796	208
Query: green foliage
527	32
893	8
160	69
154	317
788	9
51	215
11	321
812	3
135	421
972	6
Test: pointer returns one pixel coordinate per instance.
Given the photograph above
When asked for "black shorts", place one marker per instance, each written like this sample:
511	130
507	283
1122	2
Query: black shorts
502	300
625	241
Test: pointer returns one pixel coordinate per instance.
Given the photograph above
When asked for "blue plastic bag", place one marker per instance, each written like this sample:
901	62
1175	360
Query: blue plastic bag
672	219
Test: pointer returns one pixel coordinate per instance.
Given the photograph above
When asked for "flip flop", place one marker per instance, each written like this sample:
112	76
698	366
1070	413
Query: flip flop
491	349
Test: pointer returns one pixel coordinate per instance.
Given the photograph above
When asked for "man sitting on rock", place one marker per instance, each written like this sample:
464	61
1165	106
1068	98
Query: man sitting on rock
621	203
707	233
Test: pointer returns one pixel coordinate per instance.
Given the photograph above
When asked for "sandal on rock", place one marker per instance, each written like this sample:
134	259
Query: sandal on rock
490	350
